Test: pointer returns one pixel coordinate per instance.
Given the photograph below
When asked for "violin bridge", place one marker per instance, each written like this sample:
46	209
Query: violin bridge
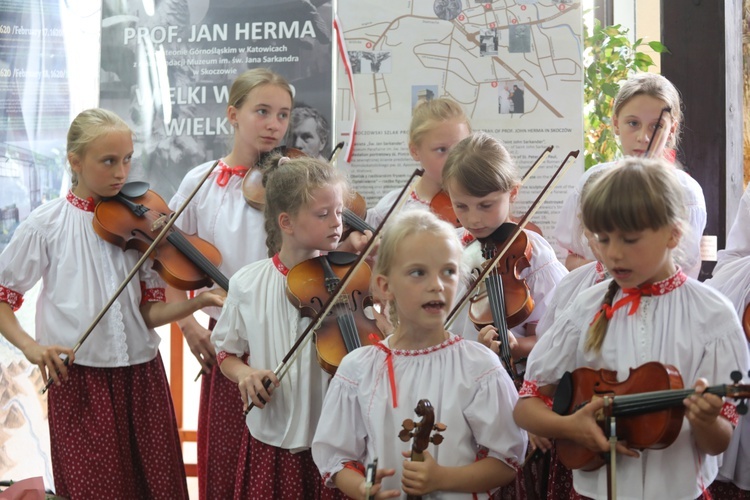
159	223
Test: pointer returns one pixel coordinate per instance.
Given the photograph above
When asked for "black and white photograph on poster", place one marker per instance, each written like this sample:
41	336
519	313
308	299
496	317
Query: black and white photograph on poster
372	62
167	71
309	131
447	10
516	97
422	93
520	39
488	41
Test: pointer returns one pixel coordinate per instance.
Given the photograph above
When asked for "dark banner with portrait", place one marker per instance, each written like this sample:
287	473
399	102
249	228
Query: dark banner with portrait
167	71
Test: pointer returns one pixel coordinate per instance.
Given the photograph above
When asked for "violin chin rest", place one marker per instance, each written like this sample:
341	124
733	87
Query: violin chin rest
134	189
341	258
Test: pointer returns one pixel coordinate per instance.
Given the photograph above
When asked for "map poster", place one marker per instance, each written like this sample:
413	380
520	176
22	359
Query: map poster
516	67
167	67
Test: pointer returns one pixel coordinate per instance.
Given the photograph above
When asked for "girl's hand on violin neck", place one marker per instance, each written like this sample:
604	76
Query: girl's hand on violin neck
355	242
199	341
48	359
421	478
252	387
488	336
702	410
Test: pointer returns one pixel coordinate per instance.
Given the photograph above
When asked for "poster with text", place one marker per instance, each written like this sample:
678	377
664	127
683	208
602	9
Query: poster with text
167	71
515	67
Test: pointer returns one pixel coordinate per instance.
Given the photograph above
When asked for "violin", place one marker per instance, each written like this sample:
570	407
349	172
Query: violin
441	205
255	192
648	406
332	300
506	300
746	322
515	233
421	432
186	262
347	326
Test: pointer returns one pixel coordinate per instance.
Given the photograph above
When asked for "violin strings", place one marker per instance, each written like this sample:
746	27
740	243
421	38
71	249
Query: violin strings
631	404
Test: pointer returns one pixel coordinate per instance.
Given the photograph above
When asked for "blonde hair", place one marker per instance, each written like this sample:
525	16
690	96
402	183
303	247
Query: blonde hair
636	195
89	126
289	186
427	114
480	165
658	87
252	78
401	226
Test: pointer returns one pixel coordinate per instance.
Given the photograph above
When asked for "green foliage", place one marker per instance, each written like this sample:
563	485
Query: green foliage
609	59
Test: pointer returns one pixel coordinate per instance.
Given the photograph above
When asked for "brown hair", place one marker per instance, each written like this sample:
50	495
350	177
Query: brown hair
636	195
658	87
480	165
252	78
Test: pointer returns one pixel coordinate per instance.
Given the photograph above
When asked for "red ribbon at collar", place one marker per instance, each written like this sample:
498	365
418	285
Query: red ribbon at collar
389	362
631	296
226	172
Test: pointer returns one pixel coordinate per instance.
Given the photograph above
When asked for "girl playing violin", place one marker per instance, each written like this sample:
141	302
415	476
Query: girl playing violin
636	115
436	126
649	311
483	182
376	387
112	425
258	109
303	211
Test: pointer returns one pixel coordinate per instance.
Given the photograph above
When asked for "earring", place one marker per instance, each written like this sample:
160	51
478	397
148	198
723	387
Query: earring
235	125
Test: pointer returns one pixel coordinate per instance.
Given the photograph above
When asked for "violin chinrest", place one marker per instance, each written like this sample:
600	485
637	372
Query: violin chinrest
134	189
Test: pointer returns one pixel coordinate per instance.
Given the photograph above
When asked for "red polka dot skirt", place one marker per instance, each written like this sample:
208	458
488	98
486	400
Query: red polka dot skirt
221	424
268	472
113	434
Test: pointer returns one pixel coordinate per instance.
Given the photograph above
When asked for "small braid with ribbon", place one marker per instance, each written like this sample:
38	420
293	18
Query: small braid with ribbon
635	195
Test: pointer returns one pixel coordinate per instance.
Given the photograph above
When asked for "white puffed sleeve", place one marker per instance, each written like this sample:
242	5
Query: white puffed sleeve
341	434
495	430
229	333
22	264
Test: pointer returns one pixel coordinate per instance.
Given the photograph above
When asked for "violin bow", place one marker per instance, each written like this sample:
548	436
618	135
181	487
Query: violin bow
281	370
162	234
658	133
537	164
521	224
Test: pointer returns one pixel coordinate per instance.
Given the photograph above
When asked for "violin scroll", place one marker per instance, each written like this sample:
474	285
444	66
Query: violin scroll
421	431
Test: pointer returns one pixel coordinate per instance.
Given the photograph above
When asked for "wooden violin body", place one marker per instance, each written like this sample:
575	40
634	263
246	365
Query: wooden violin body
186	262
517	297
441	205
347	326
648	406
746	322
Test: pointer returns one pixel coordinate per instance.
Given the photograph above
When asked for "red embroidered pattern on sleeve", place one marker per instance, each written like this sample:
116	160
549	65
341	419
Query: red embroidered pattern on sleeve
11	297
729	411
356	467
222	355
530	389
152	294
